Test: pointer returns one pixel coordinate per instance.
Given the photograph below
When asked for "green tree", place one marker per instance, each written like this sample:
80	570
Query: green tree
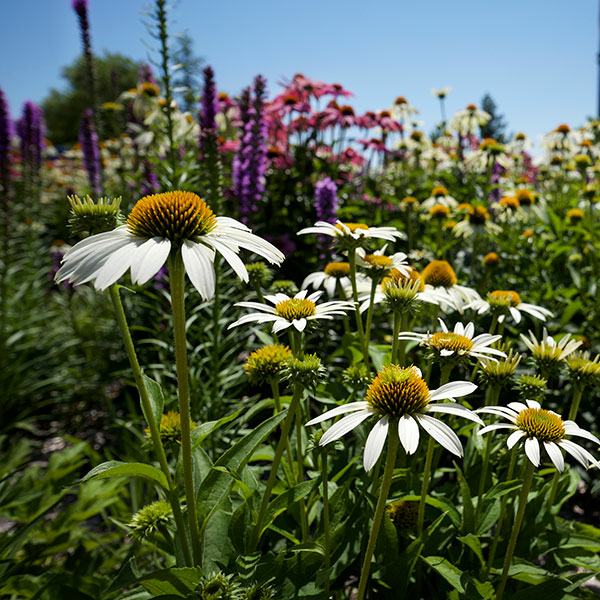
115	73
187	76
496	127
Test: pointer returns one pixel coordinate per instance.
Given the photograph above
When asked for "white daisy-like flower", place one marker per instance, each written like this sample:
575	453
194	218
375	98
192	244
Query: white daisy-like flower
439	195
401	398
296	311
397	280
377	263
352	233
547	349
459	342
540	427
442	92
466	121
157	226
329	277
440	279
508	301
477	219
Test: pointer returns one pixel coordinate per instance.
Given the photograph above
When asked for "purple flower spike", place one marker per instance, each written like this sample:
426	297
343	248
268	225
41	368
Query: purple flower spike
5	138
88	138
30	129
326	200
80	6
208	125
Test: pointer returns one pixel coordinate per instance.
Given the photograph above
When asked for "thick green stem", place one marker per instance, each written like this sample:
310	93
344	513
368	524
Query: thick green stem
176	275
509	474
285	430
370	312
342	296
444	377
515	528
152	424
577	392
491	400
288	448
326	517
359	323
300	471
398	318
383	493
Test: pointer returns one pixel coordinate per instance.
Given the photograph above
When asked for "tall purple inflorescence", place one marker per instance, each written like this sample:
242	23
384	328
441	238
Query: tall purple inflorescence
326	200
5	141
208	125
30	129
88	139
496	192
81	10
149	179
250	163
145	74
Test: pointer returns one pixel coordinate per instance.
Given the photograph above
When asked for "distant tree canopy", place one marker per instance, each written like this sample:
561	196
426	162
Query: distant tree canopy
115	73
496	127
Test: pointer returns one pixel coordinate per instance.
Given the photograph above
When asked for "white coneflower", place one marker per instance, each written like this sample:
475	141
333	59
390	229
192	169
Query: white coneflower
296	311
440	278
157	226
401	397
549	352
377	264
439	195
468	120
540	427
508	302
333	274
457	343
352	234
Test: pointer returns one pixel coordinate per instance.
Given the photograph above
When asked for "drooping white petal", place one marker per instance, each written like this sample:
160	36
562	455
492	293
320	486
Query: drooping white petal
375	443
149	259
280	324
339	410
343	426
454	389
579	453
408	432
501	411
570	430
516	315
555	455
454	409
198	263
116	265
441	433
231	257
532	449
300	324
495	426
514	437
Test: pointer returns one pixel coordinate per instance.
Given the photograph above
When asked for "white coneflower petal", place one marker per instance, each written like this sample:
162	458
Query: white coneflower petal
532	449
513	438
198	263
579	453
339	410
453	389
408	432
375	442
495	426
441	433
555	455
454	409
344	425
149	260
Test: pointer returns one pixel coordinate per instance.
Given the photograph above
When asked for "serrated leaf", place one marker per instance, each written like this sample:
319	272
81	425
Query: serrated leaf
115	468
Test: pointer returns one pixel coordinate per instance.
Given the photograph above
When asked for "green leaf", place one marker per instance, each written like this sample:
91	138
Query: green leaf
178	582
217	484
114	468
127	575
156	397
443	504
548	590
205	429
447	570
500	489
289	497
472	542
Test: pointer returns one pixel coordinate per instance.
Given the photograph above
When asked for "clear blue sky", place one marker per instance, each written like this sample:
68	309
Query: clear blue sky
537	58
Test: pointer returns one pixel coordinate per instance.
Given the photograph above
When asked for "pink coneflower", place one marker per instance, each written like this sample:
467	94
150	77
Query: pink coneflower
367	121
337	89
351	156
375	144
386	122
338	115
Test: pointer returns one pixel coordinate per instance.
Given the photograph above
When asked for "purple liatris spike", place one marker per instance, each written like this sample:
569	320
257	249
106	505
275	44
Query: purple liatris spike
149	179
88	139
326	200
250	164
30	128
5	138
208	125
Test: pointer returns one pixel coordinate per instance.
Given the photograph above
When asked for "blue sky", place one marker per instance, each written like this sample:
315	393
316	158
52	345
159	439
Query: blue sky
537	58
